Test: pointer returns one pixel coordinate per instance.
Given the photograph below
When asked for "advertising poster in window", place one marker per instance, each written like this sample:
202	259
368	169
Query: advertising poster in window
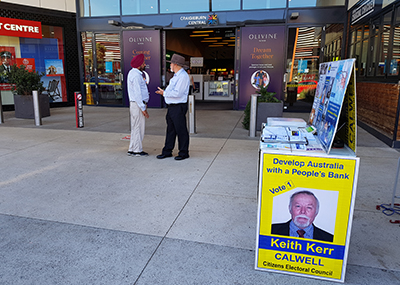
148	44
29	63
305	213
334	78
7	56
262	50
54	67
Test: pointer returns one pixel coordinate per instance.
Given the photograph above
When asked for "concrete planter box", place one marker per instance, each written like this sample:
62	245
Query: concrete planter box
265	110
23	105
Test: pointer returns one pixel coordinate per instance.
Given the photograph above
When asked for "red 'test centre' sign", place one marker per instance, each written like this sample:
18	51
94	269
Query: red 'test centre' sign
20	28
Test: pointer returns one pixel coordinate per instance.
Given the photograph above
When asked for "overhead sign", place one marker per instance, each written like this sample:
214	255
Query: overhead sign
365	8
20	28
305	214
199	20
196	61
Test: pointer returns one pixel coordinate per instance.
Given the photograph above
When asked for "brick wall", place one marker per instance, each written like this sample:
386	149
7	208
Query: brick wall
377	105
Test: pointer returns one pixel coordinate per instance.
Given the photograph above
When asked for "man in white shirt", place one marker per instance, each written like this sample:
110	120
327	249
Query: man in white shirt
176	96
138	98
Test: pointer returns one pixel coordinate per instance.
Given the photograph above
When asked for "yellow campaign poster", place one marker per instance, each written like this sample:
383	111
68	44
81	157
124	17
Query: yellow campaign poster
305	213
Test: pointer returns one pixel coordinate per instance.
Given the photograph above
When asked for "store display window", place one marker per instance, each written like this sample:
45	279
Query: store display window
42	51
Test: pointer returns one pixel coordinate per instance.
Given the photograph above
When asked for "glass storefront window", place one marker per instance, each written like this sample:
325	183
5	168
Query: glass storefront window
96	8
139	7
225	5
45	55
103	75
383	50
363	63
366	31
315	3
394	65
373	56
266	4
333	39
303	62
184	6
357	55
88	65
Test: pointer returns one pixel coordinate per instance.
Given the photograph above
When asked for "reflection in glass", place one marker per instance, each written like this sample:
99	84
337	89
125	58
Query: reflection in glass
363	64
109	75
394	66
372	67
315	3
333	40
303	62
139	7
96	8
225	5
263	4
88	68
183	6
357	55
383	50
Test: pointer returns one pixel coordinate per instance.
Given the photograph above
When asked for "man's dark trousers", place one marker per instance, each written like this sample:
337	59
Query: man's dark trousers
176	126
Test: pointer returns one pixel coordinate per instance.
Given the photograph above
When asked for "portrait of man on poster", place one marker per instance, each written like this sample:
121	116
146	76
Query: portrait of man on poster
304	207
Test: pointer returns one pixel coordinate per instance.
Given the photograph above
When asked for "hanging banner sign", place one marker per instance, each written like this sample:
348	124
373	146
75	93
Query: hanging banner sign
20	28
148	44
262	50
305	212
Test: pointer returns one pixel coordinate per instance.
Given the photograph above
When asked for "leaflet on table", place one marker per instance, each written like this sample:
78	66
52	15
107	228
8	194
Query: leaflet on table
276	134
313	145
276	146
286	122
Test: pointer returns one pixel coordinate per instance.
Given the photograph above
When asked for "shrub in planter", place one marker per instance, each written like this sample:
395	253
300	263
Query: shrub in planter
23	82
265	97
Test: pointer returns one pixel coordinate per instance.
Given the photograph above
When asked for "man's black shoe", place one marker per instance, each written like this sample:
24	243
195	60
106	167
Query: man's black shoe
161	156
180	157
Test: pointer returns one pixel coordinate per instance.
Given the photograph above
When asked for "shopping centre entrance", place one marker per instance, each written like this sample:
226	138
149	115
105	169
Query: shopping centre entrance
210	55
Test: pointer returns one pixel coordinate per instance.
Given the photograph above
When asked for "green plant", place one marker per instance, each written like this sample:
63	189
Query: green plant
23	81
265	96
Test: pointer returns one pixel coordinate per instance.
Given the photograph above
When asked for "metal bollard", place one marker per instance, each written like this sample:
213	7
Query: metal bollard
192	115
36	108
1	111
253	115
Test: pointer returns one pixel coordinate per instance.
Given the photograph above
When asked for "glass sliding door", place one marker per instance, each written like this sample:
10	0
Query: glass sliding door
109	75
102	68
302	64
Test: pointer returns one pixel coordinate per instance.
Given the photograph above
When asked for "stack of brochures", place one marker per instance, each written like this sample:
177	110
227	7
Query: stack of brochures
289	134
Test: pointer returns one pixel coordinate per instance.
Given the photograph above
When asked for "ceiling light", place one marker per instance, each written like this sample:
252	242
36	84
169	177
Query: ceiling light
198	32
201	35
215	38
209	41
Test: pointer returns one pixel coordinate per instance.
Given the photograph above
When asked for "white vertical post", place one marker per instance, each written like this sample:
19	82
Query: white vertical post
253	115
192	117
36	108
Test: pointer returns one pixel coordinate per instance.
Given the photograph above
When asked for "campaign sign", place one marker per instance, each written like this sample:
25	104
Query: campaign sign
305	213
333	81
